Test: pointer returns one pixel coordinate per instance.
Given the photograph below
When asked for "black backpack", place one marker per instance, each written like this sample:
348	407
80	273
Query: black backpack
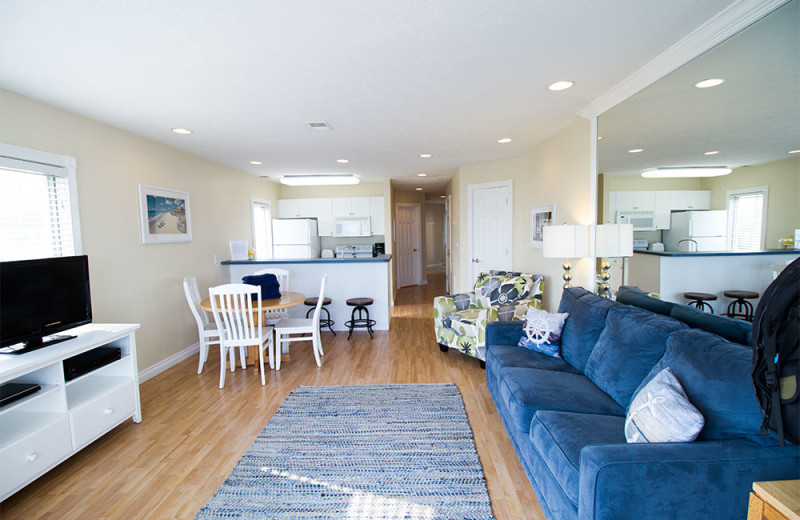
776	349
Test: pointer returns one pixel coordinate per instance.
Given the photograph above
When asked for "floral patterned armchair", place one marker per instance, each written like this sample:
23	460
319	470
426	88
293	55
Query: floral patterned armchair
460	319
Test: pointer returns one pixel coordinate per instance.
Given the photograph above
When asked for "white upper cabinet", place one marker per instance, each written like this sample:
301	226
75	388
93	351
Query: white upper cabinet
663	208
377	221
325	217
695	199
635	201
297	208
351	207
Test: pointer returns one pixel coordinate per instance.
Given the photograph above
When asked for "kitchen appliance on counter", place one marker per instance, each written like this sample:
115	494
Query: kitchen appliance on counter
295	238
352	227
697	231
326	253
379	248
640	244
354	251
641	220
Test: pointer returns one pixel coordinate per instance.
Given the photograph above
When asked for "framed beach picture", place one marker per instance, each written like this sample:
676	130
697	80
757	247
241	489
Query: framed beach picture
164	215
541	216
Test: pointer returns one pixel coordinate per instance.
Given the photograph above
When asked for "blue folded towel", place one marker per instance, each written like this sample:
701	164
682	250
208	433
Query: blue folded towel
270	288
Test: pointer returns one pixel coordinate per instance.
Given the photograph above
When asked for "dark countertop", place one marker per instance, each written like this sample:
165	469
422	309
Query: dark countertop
379	258
719	253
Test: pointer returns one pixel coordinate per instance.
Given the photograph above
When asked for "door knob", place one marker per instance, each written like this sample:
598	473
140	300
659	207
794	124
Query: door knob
476	260
415	250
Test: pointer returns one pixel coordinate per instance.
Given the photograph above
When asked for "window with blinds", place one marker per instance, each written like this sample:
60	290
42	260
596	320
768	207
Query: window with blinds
746	219
37	217
262	229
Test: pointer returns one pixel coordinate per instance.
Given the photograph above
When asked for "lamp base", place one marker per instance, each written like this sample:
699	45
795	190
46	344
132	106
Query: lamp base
604	289
567	276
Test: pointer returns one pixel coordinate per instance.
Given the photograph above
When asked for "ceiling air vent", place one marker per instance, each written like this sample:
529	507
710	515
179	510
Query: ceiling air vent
319	125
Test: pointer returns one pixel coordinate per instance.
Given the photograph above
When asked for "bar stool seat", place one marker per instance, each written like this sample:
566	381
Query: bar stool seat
323	322
700	299
740	307
360	315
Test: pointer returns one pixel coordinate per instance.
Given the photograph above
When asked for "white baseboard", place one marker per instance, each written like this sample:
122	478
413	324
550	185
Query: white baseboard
435	266
166	364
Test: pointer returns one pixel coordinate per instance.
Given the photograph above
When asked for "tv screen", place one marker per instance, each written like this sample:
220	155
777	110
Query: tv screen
39	298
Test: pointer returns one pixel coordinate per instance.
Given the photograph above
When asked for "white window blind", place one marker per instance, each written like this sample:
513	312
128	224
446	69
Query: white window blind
746	219
262	229
38	213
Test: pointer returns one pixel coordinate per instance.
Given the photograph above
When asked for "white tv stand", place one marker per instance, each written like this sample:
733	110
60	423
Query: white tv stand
43	429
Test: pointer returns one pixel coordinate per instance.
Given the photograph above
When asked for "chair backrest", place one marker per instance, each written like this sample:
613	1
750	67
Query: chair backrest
318	308
193	297
237	311
281	274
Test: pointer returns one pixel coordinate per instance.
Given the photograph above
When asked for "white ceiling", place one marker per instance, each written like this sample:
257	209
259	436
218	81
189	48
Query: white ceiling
392	79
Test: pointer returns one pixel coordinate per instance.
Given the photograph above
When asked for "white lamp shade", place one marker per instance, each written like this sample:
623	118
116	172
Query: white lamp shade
565	241
614	240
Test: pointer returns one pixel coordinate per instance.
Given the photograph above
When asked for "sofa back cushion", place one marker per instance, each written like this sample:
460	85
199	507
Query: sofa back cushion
586	321
737	331
715	374
632	342
632	295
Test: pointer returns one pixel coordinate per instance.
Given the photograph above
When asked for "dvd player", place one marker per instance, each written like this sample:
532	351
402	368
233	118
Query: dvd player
81	364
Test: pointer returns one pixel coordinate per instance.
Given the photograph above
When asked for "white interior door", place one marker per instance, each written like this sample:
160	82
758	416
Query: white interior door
447	233
409	256
490	227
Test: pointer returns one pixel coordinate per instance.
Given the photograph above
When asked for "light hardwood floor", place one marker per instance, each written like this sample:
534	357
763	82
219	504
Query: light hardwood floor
193	433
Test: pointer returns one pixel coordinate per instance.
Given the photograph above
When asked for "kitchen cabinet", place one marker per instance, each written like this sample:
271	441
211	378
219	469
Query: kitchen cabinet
694	199
351	207
377	221
297	208
325	217
662	209
635	201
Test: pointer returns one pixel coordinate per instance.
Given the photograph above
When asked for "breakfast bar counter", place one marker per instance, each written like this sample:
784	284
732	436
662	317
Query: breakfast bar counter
347	278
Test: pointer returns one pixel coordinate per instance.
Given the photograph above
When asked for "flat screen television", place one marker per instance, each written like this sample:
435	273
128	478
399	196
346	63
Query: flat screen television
39	298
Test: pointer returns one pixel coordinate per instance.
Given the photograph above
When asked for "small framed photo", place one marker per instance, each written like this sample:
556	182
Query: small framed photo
164	215
541	216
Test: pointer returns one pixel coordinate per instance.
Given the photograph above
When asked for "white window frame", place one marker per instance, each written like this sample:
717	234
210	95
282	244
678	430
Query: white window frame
764	191
268	203
45	163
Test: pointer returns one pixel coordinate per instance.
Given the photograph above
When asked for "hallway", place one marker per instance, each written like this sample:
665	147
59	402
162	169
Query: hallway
193	433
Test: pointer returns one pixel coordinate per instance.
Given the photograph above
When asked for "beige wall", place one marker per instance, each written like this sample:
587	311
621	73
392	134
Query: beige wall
558	170
132	282
783	180
434	233
363	189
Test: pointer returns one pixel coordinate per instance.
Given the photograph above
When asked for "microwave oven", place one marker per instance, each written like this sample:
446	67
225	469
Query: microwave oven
352	227
641	220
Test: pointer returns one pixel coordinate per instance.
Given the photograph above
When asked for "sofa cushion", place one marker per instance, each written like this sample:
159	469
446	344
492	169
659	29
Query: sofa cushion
633	341
587	319
737	331
558	438
526	390
715	374
501	356
632	295
464	322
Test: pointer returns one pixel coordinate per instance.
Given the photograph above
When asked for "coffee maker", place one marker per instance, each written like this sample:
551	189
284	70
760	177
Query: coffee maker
378	248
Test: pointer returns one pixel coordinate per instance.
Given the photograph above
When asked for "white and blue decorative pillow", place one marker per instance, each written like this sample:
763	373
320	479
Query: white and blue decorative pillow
661	412
543	332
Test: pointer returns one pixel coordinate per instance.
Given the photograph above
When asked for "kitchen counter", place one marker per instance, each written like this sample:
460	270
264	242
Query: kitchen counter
379	258
719	253
672	273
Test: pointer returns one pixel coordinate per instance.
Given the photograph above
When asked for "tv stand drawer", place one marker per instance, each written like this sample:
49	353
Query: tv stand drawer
99	415
34	454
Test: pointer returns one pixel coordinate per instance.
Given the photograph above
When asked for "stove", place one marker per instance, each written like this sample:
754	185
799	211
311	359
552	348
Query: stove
355	251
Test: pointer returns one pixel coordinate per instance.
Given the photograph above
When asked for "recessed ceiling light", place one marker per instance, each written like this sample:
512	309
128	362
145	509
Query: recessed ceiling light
257	163
343	161
426	155
599	137
422	175
794	151
635	150
560	85
712	152
708	83
696	171
182	131
442	196
504	140
419	189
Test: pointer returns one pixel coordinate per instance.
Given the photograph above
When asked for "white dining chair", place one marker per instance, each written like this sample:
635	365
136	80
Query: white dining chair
237	312
282	275
207	331
309	328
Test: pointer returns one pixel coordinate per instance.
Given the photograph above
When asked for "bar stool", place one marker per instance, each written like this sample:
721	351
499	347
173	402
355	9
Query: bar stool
740	307
323	322
362	320
700	299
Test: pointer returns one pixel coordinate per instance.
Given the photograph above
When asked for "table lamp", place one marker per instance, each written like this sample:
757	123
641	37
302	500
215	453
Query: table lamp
565	241
611	241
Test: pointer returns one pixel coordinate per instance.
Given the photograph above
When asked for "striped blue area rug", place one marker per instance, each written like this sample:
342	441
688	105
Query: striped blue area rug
360	453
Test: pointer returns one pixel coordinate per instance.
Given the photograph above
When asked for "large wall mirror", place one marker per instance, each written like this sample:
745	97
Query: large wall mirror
749	123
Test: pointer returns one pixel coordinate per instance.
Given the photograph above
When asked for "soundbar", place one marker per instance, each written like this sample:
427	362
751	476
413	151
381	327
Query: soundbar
81	364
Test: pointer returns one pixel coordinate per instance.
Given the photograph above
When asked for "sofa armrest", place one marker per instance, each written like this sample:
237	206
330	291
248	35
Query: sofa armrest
503	333
678	480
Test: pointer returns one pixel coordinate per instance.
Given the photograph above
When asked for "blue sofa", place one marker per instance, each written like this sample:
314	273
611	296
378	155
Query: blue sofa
565	417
